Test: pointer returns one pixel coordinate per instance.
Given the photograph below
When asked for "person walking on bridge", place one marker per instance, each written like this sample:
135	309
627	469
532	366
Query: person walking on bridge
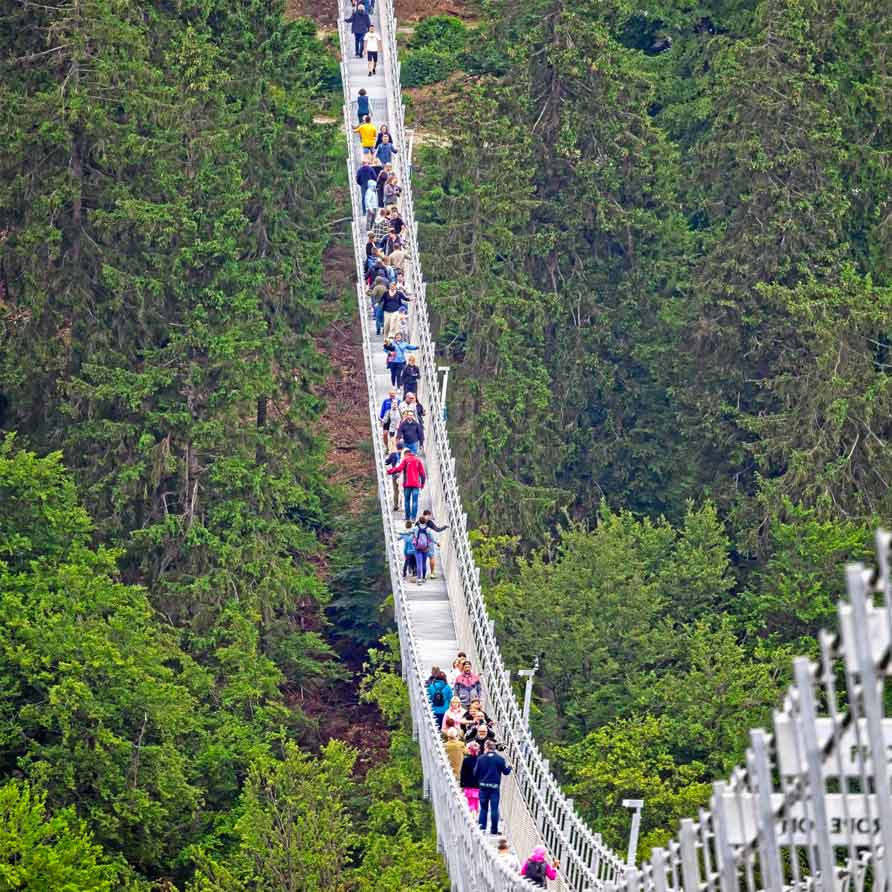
372	47
537	869
359	24
384	415
439	693
507	856
411	404
363	107
391	306
413	481
455	751
395	345
411	432
467	685
385	150
371	204
423	542
428	518
392	460
367	132
467	779
489	770
364	174
410	376
376	294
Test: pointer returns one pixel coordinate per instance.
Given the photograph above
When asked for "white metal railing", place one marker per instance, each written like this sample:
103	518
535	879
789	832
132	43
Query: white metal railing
811	807
532	802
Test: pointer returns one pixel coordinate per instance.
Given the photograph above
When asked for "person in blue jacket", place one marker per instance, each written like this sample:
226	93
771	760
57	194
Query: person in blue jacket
440	694
362	105
489	770
385	151
396	351
384	415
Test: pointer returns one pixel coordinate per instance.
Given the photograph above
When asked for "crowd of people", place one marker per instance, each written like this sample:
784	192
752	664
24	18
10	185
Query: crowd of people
456	696
472	748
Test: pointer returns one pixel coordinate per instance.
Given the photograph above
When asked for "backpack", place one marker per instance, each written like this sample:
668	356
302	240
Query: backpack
409	548
438	700
422	541
535	873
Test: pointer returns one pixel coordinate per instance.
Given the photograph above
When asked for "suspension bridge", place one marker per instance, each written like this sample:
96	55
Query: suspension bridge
809	809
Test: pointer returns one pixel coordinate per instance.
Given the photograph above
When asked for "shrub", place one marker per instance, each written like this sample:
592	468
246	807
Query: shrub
445	33
427	66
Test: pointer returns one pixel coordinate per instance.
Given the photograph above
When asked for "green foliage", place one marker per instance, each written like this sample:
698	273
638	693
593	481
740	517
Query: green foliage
44	852
96	700
616	596
715	692
795	592
633	758
358	578
715	290
294	830
164	192
399	849
446	33
427	65
435	51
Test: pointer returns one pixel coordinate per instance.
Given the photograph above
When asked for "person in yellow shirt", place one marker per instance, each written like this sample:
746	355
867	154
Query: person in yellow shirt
368	133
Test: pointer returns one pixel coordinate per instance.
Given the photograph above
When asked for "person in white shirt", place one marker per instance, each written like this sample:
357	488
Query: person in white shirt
455	671
372	47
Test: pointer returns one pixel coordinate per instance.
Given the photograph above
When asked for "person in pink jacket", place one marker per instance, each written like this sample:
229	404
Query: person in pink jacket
537	870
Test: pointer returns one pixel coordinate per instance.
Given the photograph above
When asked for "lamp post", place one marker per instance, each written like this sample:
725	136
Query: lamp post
637	805
445	370
528	693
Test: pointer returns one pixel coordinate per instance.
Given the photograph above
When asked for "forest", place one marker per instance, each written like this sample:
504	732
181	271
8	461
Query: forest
662	275
658	241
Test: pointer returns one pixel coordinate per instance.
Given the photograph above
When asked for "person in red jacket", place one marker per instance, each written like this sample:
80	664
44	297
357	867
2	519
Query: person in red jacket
413	481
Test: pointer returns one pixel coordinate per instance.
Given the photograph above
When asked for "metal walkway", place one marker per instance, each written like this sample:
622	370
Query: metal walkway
807	811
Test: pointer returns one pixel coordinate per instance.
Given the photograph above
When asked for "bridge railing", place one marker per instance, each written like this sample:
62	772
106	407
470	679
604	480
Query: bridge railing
811	807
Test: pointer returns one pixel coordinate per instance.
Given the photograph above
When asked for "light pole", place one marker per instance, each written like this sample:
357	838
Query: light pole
528	693
445	370
637	805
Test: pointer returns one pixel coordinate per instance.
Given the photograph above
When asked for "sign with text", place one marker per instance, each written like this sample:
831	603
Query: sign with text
854	749
851	819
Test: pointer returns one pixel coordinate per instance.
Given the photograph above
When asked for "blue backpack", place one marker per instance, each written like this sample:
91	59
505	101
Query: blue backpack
409	547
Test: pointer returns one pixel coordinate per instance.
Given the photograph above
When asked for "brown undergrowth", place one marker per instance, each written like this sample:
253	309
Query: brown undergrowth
337	711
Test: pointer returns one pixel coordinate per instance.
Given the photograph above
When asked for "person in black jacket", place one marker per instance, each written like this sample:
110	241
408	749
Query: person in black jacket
466	778
384	174
411	374
480	733
364	176
390	304
411	433
360	22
